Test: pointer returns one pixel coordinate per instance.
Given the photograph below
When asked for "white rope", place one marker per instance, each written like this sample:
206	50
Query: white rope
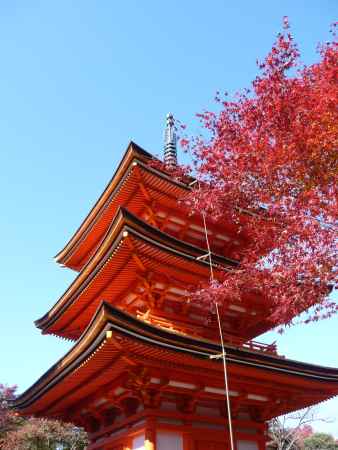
226	384
225	380
208	246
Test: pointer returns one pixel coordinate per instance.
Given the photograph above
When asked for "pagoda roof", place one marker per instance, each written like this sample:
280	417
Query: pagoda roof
126	188
114	341
130	248
148	191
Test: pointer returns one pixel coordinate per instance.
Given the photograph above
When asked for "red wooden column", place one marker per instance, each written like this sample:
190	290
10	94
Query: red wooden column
128	444
150	435
262	441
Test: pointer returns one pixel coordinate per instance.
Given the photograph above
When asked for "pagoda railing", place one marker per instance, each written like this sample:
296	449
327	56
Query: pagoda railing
200	331
261	347
251	345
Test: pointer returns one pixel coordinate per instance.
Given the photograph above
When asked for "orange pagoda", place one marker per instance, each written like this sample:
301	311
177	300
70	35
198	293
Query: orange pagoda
144	371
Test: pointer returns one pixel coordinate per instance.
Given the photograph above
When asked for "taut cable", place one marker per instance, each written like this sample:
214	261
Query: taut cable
225	371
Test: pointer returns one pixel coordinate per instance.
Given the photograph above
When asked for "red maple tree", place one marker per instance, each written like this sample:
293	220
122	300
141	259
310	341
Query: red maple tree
271	154
24	433
8	418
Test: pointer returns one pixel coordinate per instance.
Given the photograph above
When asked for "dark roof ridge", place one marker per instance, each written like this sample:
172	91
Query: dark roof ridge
130	222
132	146
108	317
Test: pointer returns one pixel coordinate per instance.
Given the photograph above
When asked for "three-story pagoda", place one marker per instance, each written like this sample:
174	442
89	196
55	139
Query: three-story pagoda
142	373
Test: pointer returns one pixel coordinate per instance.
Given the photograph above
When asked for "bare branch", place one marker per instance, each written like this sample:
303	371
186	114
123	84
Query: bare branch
284	431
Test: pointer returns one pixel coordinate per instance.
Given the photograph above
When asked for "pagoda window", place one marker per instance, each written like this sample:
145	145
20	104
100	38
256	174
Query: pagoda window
247	445
207	411
138	442
169	441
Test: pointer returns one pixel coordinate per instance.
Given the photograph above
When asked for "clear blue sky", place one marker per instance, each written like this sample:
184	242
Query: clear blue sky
79	80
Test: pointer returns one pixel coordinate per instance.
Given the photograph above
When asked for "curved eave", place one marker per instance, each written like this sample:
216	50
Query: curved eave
108	318
126	222
134	153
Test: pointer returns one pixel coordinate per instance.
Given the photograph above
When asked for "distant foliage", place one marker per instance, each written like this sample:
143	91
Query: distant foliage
17	433
320	441
303	433
43	434
295	432
272	151
9	420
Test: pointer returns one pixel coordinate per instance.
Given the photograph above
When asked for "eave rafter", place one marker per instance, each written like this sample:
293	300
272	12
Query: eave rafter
134	165
155	365
148	248
134	254
145	193
145	188
132	153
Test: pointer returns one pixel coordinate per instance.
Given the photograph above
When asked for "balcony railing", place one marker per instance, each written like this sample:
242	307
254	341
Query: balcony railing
201	332
251	345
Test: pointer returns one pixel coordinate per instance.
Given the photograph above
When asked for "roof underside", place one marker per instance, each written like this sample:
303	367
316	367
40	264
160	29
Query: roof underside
135	260
141	188
98	361
132	152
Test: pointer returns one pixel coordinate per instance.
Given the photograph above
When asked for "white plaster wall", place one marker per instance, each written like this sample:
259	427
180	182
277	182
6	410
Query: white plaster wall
169	441
247	445
138	442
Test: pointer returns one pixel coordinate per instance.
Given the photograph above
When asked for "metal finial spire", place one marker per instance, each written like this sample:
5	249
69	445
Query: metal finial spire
170	150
